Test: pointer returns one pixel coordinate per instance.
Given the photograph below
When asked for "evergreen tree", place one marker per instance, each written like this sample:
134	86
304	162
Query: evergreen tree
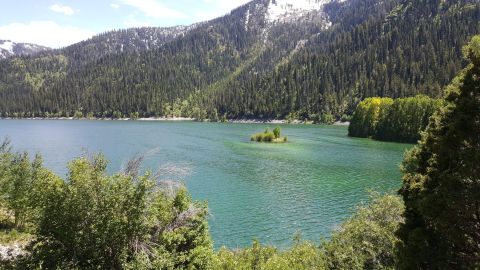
441	186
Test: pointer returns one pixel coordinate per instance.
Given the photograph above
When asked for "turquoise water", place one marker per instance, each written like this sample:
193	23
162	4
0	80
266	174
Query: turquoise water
254	191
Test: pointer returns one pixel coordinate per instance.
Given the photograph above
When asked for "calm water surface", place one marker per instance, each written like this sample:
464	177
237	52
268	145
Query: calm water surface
255	191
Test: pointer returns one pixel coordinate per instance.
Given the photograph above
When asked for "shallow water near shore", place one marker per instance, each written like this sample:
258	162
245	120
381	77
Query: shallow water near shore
257	191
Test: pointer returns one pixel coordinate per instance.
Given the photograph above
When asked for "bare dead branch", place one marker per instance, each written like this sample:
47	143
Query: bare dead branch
184	218
132	167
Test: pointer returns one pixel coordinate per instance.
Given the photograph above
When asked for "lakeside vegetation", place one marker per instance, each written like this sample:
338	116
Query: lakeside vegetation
269	136
399	120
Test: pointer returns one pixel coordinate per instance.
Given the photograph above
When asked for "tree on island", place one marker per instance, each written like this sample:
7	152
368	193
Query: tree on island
276	132
441	186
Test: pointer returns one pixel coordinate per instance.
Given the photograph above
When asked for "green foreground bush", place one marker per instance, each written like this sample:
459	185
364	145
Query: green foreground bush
95	221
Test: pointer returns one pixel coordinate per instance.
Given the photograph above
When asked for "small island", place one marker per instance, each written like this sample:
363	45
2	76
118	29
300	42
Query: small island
269	137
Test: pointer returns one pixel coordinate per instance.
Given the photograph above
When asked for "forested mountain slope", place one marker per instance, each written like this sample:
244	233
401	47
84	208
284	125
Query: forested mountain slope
130	41
375	48
264	59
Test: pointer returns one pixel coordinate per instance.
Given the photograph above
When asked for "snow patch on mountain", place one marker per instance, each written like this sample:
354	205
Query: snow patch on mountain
283	10
279	10
247	19
276	12
9	49
7	45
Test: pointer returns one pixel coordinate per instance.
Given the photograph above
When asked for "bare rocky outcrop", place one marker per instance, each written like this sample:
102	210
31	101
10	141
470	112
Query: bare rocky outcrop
11	252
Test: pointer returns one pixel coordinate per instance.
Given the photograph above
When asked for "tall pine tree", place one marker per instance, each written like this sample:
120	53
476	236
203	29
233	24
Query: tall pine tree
442	181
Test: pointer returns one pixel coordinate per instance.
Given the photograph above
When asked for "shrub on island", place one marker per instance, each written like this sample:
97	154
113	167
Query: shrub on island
269	137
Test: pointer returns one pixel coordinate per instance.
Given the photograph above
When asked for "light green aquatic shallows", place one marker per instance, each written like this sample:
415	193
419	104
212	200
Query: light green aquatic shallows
257	191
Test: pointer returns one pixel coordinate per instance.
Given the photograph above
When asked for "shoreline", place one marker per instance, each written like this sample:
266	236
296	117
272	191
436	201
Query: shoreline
181	119
103	119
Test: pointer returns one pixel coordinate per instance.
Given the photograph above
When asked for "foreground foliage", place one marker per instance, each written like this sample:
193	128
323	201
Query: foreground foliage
442	181
25	188
368	239
95	221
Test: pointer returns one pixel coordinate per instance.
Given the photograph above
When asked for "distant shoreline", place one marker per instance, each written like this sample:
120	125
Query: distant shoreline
178	119
173	119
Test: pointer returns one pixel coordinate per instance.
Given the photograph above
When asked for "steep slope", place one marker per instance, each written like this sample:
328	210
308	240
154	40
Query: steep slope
268	58
373	48
10	49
